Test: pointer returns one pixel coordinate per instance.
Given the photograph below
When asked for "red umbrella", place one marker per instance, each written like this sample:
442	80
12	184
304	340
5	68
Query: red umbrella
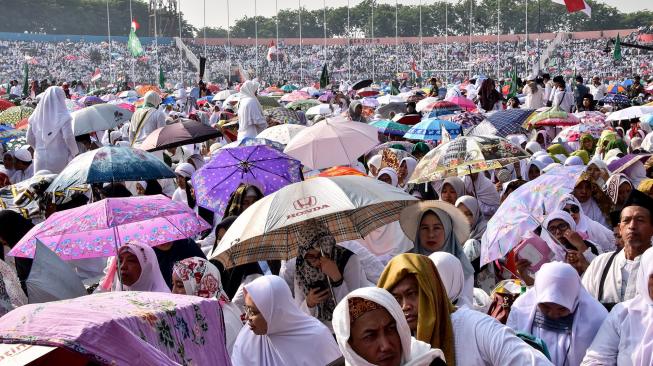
5	104
368	92
22	125
410	119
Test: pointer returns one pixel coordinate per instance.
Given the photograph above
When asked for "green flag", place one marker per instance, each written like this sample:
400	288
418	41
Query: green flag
324	77
162	78
394	88
617	49
25	79
513	83
134	44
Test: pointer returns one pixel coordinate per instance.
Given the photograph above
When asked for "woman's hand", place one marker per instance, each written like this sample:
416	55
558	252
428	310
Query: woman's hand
524	272
316	296
330	268
576	240
577	260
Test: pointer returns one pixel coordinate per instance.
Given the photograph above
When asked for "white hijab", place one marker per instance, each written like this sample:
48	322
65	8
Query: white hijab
49	116
596	232
559	283
414	352
293	337
559	251
250	112
411	164
374	161
394	180
452	276
640	313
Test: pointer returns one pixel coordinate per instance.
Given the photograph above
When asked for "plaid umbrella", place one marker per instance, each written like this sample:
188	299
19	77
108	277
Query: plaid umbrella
262	166
616	99
268	102
282	115
573	133
13	115
303	105
553	116
390	128
349	206
496	127
466	155
431	130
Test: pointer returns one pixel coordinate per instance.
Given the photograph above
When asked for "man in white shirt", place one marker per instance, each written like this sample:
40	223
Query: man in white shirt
611	277
560	96
598	89
23	165
16	90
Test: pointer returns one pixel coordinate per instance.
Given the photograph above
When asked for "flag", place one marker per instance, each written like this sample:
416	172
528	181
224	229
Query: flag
133	43
514	88
394	88
96	75
324	77
446	137
616	55
25	79
162	78
575	5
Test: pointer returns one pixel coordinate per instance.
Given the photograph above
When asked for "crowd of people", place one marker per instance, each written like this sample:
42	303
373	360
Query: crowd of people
411	260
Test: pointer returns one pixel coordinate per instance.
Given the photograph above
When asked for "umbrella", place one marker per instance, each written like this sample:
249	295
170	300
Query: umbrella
425	102
591	118
128	94
623	163
387	99
431	130
629	113
616	99
282	115
90	100
311	91
350	206
110	164
408	147
295	96
5	104
224	94
252	141
463	103
466	155
509	117
16	142
496	128
370	102
51	279
647	119
466	120
573	133
303	105
181	133
368	92
72	105
99	118
289	88
232	99
268	102
13	115
441	107
331	142
262	166
143	89
361	84
98	229
409	119
627	82
281	133
553	116
396	107
390	127
615	88
326	97
525	209
338	171
7	133
323	109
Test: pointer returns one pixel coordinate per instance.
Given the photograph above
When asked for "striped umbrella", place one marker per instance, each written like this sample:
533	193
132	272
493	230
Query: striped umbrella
553	116
431	130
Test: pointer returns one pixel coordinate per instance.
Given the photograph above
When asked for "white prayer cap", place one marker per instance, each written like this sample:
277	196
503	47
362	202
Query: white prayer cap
185	170
23	155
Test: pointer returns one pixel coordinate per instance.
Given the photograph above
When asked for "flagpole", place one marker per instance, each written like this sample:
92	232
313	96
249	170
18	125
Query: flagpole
527	58
204	30
498	35
373	45
156	41
256	37
301	55
471	7
276	6
421	41
110	48
324	17
348	43
181	56
228	44
539	30
446	39
396	36
131	19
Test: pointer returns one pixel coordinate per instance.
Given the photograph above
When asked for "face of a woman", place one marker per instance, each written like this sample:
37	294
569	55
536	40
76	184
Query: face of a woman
468	214
130	268
249	200
533	172
403	170
255	319
557	228
593	171
574	211
181	182
583	191
552	310
624	191
587	145
140	190
385	178
448	194
431	232
312	257
177	285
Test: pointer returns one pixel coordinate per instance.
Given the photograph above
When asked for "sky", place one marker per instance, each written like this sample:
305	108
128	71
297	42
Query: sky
216	14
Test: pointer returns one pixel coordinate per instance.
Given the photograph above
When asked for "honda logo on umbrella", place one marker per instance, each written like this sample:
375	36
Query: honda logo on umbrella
304	203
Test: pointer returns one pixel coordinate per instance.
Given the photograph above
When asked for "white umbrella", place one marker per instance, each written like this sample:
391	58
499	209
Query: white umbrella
629	113
233	98
323	109
350	206
332	142
50	278
224	94
128	94
99	117
310	90
387	99
281	133
424	102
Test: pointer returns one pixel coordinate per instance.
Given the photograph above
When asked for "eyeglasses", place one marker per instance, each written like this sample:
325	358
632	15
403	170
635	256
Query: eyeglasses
312	258
558	228
572	209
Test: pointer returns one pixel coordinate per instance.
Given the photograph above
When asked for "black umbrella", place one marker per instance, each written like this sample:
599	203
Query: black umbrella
179	134
397	107
362	84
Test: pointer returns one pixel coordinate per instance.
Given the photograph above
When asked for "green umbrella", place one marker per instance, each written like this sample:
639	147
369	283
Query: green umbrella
303	105
289	88
13	115
390	127
268	102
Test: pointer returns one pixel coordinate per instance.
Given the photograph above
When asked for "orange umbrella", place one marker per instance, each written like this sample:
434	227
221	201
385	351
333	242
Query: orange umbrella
337	171
143	89
22	125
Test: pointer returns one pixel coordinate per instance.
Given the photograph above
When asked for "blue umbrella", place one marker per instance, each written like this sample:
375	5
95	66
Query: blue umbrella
169	100
110	164
627	82
618	99
7	133
431	130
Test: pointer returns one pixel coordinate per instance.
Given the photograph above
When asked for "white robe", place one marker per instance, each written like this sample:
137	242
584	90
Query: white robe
155	119
615	288
21	175
481	340
56	155
251	121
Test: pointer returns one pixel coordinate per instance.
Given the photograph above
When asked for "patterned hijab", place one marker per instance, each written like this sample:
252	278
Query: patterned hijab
314	235
200	278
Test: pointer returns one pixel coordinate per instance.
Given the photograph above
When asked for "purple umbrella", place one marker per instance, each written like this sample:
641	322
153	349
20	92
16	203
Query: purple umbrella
326	97
90	100
259	165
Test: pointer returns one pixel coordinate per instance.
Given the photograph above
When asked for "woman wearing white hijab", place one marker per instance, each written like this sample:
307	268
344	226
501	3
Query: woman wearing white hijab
595	232
559	311
374	164
251	120
146	119
138	269
484	191
278	332
558	219
50	132
388	175
459	290
626	336
378	307
406	169
450	189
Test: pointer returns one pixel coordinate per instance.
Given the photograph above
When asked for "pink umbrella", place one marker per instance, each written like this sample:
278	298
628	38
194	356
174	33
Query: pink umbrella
463	103
295	96
98	229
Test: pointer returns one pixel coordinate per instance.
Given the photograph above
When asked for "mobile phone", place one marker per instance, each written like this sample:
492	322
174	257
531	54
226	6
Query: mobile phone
319	285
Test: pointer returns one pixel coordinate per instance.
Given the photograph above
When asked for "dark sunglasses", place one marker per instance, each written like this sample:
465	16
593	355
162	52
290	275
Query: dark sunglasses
572	209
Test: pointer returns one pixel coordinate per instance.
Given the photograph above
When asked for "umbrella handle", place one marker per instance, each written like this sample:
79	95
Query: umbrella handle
333	295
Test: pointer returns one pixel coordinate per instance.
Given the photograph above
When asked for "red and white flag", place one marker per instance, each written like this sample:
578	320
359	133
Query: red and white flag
575	5
96	75
135	25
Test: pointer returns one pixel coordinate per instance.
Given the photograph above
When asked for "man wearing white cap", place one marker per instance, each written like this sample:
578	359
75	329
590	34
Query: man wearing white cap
534	94
23	165
184	171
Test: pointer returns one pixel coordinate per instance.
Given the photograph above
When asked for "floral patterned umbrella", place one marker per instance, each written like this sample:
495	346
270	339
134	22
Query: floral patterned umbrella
98	229
616	99
282	115
573	133
466	155
13	115
281	133
110	164
303	105
260	165
553	116
592	118
466	120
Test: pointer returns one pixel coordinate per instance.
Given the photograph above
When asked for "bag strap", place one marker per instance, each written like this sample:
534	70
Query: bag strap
604	274
140	126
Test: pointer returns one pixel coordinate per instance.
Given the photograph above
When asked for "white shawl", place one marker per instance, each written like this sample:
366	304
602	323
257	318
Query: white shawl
49	116
250	112
640	313
414	352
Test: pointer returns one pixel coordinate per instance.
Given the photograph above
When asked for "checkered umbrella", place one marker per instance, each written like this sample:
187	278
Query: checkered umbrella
496	127
350	206
509	117
466	155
